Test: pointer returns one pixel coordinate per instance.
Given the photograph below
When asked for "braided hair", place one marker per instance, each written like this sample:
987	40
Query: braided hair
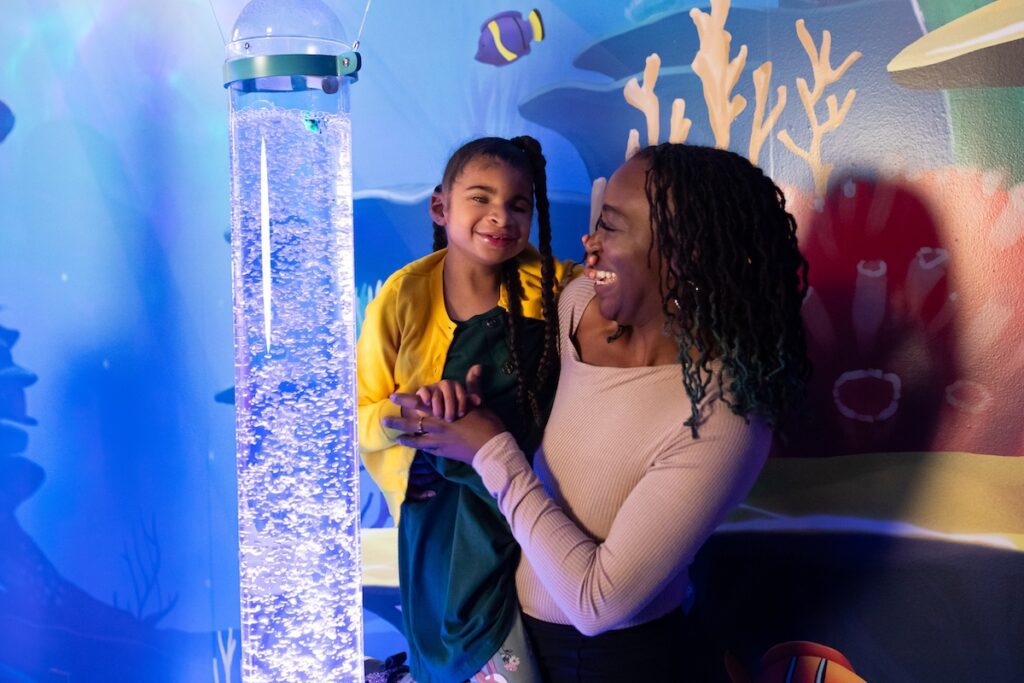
732	279
524	154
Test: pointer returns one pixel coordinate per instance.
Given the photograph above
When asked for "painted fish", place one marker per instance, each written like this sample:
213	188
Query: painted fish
506	37
6	120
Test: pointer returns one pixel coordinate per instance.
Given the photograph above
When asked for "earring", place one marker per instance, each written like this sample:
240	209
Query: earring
619	330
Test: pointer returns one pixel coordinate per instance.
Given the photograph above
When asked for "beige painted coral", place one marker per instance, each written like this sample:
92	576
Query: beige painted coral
824	75
718	73
679	128
761	127
643	98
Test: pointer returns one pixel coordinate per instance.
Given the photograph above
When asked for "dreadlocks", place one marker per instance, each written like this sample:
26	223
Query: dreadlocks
733	279
524	154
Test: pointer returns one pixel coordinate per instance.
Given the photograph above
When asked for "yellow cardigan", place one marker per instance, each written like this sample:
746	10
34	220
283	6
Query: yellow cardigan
403	346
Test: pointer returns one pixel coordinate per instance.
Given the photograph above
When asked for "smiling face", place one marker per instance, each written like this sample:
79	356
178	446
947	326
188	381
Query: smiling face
486	212
627	285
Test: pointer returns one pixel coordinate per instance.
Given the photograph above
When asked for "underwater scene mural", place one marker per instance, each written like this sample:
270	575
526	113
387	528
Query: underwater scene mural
889	529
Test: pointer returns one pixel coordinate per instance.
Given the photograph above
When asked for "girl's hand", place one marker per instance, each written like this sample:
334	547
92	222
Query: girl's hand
448	399
459	440
422	478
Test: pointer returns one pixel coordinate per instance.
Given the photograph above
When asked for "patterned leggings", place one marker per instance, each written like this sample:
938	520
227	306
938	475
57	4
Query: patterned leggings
513	662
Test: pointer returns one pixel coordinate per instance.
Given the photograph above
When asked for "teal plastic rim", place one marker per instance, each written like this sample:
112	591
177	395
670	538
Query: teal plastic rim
262	66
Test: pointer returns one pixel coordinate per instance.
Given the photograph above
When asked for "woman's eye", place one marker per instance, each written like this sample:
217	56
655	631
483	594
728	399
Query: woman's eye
479	199
601	225
521	208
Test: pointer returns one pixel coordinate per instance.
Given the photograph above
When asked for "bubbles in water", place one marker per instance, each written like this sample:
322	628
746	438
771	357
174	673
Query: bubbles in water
295	396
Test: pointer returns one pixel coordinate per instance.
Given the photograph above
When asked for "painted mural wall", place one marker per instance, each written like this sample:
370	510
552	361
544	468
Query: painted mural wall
891	527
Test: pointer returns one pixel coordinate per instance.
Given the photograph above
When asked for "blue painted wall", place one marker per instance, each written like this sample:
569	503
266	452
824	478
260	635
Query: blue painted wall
117	503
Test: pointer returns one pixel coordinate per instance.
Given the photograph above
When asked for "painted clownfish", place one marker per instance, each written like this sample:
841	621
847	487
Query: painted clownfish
506	37
796	661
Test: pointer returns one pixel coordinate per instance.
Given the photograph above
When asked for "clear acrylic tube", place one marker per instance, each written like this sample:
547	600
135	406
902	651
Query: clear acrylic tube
295	396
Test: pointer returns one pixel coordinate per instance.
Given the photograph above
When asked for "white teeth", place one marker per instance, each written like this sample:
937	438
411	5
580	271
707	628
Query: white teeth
604	277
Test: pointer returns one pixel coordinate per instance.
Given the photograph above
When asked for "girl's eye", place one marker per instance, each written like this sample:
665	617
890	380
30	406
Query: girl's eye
521	208
479	199
601	225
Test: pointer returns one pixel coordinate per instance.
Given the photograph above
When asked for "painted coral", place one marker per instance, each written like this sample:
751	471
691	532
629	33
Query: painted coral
824	75
915	313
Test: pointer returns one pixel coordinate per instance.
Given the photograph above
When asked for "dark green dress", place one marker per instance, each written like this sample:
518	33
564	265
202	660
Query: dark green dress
456	554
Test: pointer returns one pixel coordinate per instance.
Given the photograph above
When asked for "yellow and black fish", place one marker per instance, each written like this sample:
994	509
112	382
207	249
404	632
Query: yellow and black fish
506	37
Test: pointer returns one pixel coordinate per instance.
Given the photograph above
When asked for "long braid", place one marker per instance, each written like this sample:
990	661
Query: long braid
733	279
526	398
548	365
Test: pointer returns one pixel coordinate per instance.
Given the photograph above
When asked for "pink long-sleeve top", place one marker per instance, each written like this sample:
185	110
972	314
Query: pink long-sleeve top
621	496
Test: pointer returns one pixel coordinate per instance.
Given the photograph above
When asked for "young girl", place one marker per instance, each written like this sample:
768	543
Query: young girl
486	297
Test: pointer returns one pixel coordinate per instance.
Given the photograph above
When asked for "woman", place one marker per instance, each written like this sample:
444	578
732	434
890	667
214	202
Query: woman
695	273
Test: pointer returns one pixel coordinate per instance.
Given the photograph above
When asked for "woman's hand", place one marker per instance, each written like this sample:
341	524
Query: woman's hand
459	440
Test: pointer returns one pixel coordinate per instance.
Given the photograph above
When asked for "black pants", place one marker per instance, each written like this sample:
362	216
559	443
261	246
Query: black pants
661	650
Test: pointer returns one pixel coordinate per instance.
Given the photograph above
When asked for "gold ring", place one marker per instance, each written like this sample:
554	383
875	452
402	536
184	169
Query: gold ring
419	426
